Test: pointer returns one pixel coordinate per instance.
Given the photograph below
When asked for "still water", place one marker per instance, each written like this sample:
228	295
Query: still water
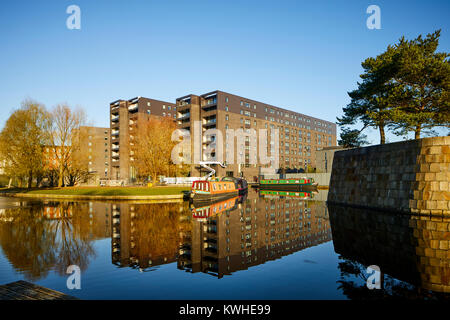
262	246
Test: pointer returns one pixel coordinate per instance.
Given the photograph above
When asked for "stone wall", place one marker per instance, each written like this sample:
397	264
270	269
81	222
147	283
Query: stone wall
410	176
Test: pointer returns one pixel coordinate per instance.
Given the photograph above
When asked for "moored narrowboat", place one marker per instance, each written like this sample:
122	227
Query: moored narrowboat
216	189
213	190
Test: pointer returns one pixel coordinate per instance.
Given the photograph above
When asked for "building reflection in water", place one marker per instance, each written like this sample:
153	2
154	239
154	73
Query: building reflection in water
239	233
146	235
411	249
219	238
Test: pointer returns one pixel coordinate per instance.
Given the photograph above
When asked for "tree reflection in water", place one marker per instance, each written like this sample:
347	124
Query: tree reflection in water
43	237
353	279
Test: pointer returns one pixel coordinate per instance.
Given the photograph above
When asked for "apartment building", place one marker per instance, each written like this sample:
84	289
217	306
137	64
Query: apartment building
95	143
300	136
124	117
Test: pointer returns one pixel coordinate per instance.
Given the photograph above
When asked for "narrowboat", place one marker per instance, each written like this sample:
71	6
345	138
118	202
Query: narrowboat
288	184
216	189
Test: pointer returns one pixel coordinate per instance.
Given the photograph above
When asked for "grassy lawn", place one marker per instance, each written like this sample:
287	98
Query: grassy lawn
101	191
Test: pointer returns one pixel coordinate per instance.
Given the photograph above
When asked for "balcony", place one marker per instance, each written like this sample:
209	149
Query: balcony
133	107
209	102
185	125
115	132
115	155
209	122
115	147
209	113
115	118
183	116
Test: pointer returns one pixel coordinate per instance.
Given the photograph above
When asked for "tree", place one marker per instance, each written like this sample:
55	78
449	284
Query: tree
405	88
422	79
77	168
352	138
153	147
65	123
22	140
372	102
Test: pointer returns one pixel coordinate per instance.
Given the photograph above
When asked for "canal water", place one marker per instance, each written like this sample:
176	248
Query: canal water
266	245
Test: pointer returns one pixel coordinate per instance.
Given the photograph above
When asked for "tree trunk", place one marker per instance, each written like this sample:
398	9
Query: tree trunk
60	178
30	179
417	132
9	184
382	135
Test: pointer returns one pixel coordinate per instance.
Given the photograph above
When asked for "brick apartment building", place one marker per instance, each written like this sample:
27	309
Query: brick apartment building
125	115
300	136
95	143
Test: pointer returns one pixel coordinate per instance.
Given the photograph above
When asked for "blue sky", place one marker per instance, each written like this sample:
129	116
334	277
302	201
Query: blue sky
300	55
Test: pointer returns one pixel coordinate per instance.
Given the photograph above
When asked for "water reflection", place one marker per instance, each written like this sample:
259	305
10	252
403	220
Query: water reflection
48	236
220	239
411	251
239	233
147	235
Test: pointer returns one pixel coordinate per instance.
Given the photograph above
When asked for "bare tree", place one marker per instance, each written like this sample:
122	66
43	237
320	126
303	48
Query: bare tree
153	147
65	123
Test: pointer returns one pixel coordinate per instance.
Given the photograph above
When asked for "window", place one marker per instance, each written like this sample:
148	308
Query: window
164	106
148	104
226	108
226	118
226	99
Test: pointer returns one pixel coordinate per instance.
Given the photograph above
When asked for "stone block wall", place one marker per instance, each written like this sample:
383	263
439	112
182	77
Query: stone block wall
409	176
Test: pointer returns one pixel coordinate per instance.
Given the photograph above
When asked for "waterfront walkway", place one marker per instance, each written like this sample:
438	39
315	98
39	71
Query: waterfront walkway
22	290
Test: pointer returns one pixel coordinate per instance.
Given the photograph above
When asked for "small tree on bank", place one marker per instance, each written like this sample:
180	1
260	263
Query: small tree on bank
153	147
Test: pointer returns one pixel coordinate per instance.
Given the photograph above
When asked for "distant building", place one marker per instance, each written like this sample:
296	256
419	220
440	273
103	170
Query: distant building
95	145
324	158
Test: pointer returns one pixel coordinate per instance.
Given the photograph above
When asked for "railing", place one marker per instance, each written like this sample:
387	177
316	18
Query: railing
179	180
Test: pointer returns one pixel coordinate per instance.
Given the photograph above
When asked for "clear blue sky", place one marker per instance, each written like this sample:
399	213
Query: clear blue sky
300	55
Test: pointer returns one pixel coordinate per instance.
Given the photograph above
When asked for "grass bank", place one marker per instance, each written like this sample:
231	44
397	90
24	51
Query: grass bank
99	191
